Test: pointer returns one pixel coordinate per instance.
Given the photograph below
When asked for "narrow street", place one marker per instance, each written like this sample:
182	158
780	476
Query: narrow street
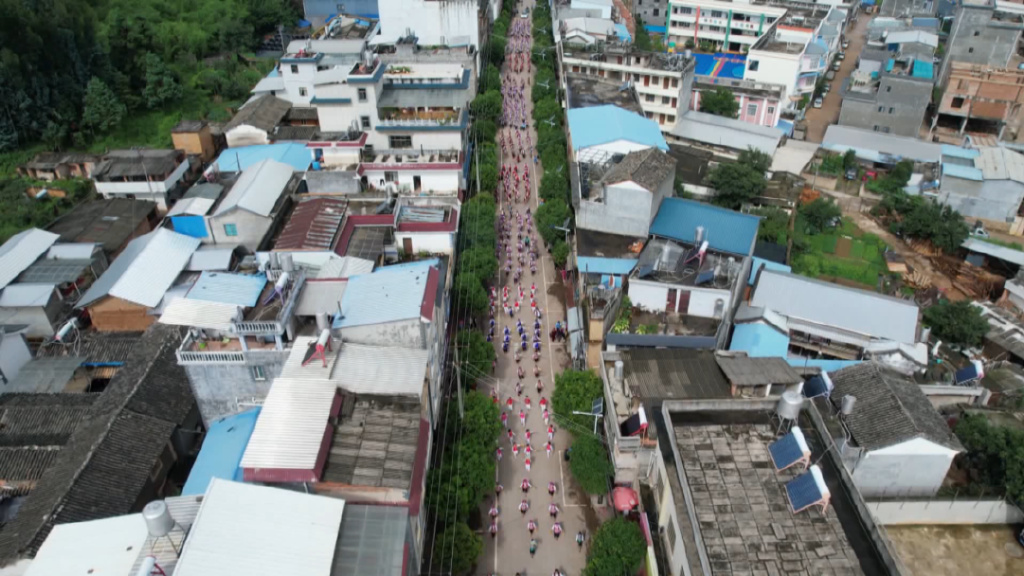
819	119
508	553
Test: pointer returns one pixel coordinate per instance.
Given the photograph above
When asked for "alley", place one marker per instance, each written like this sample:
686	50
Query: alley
819	119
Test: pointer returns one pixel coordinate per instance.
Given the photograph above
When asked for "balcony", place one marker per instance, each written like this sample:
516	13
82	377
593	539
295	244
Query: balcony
421	118
195	350
410	156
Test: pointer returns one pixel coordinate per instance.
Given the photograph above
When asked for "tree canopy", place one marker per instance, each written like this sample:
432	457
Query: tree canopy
618	547
918	217
458	548
575	391
475	356
819	214
958	323
995	454
589	463
719	102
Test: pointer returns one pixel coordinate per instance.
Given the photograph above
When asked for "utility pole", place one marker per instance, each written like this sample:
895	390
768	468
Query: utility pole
458	384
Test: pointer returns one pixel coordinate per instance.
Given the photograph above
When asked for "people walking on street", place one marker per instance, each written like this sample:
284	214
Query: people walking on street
579	539
522	417
504	420
531	526
553	510
557	529
525	485
527	463
497	453
523	507
551	433
494	510
552	487
494	528
497	490
533	546
547	448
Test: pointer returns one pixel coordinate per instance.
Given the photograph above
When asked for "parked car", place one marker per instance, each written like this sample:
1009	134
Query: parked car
841	56
851	173
818	102
836	65
525	14
846	44
826	88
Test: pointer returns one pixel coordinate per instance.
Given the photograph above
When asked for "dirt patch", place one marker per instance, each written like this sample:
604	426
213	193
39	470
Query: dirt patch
843	246
958	550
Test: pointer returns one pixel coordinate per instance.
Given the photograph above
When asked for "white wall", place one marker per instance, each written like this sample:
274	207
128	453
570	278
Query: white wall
402	333
616	147
959	511
654	296
433	242
39	324
143	187
14	354
339	117
246	135
434	23
606	9
441	182
340	156
913	468
251	229
303	78
776	68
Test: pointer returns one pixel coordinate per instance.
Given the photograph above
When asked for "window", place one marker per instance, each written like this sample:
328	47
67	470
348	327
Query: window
670	118
665	100
362	94
365	122
391	176
655	11
977	33
400	141
891	110
649	97
958	102
671	533
302	90
648	115
716	14
885	129
753	65
231	230
675	83
258	374
295	68
751	109
888	88
970	50
881	108
770	111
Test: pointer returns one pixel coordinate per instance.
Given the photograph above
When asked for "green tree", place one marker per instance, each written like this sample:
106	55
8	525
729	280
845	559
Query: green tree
545	85
475	356
101	110
479	261
850	159
958	323
548	109
553	186
642	41
756	159
496	56
484	130
478	220
493	77
161	84
560	253
550	216
575	391
487	106
995	455
458	549
819	214
774	225
719	102
470	295
617	548
589	463
736	184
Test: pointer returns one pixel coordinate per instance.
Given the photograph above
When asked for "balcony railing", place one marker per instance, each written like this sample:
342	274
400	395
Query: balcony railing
409	156
425	119
256	328
186	354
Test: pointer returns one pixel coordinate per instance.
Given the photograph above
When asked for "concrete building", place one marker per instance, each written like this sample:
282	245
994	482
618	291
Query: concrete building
985	183
14	353
980	101
663	82
194	137
715	25
896	443
317	12
600	132
255	121
623	197
984	32
50	166
723	136
452	23
155	175
109	224
654	13
758	103
890	90
247	213
587	31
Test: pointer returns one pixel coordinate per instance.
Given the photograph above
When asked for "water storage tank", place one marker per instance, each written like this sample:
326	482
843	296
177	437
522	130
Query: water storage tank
847	404
287	264
619	367
158	518
323	321
275	263
789	405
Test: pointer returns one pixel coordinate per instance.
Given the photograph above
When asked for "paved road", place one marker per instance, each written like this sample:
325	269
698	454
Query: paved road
508	553
819	119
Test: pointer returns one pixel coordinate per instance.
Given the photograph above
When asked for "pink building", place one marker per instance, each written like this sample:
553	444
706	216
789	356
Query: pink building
758	101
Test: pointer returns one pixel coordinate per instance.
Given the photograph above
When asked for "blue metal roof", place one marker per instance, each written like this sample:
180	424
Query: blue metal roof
923	69
965	172
238	289
759	341
725	230
238	159
222	452
655	29
768	265
597	265
622	32
959	152
388	294
598	125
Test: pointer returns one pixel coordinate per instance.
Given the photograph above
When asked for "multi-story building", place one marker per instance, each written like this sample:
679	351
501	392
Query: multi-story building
980	100
156	175
889	97
432	23
714	25
759	103
984	32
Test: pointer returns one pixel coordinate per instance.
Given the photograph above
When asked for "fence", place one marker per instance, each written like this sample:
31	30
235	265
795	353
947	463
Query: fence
946	512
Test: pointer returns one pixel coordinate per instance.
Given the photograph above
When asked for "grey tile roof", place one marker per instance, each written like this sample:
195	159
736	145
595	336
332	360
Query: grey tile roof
745	371
109	223
26	464
41	419
890	408
46	374
648	168
264	113
662	374
97	347
104	465
376	446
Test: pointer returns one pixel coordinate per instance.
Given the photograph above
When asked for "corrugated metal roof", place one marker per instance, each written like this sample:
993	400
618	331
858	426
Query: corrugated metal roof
860	311
237	159
758	263
344	267
994	250
44	271
210	258
26	295
598	125
258	188
372	541
108	546
195	206
959	152
290	430
728	132
965	172
222	451
257	530
227	288
381	370
998	163
145	269
320	296
389	294
875	146
597	265
313	225
45	375
724	229
759	340
199	314
918	36
21	250
71	251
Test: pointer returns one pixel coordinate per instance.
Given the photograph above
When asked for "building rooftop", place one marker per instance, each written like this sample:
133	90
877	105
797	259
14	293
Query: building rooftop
877	147
649	168
263	112
222	450
376	445
36	426
598	125
611	246
723	229
873	315
226	288
258	189
137	164
390	294
742	370
45	375
668	261
313	225
726	132
21	250
237	159
744	521
661	374
372	541
586	91
109	223
890	409
96	347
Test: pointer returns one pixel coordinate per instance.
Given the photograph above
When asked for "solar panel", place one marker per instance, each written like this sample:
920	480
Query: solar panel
705	277
785	452
972	371
803	492
597	408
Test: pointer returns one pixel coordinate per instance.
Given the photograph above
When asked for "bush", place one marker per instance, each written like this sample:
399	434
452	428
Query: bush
589	463
575	391
458	549
560	253
551	216
618	548
475	356
958	323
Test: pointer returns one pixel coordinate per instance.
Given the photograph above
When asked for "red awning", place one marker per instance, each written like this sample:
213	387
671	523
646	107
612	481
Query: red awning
625	499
